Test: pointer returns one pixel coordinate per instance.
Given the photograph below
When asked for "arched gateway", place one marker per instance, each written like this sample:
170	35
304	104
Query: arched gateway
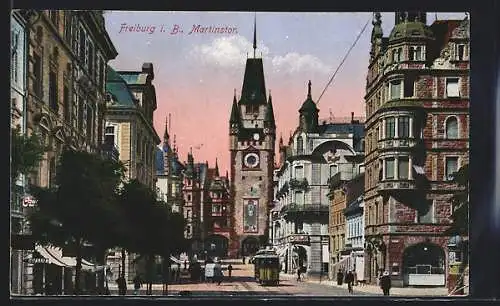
424	265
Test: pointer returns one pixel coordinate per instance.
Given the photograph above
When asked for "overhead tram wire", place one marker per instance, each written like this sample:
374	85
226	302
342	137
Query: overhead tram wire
343	60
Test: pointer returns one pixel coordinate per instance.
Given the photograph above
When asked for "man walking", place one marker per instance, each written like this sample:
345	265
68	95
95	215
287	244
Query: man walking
229	270
349	279
137	284
385	283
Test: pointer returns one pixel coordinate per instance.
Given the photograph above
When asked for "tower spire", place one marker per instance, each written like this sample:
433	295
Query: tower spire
216	167
309	90
166	137
254	33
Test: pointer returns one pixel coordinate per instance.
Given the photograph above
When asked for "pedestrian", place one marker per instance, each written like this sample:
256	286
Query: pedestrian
340	277
299	272
229	270
185	264
349	280
385	283
137	284
122	285
218	275
243	259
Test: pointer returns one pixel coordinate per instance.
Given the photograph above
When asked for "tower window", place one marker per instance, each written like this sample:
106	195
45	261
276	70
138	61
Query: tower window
452	88
460	52
403	164
404	127
390	127
37	71
300	145
451	167
53	91
109	135
409	87
389	168
452	128
395	89
416	53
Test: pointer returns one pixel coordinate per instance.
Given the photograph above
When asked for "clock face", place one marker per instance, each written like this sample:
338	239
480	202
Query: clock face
251	160
256	136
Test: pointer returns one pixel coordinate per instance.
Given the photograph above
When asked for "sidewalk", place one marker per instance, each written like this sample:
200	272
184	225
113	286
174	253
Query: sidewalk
375	290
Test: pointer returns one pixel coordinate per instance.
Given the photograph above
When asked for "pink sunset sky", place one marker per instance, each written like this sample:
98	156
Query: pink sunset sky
196	74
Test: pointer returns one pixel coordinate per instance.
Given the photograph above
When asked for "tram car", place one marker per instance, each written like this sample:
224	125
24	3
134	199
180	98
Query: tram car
266	267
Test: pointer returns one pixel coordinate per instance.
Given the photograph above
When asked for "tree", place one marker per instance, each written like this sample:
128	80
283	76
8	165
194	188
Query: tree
460	204
26	153
80	209
153	228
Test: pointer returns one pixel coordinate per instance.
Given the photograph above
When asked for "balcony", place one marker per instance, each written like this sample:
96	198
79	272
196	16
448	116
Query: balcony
397	185
307	208
402	143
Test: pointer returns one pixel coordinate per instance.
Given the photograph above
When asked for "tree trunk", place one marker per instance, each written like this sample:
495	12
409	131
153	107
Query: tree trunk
123	262
78	268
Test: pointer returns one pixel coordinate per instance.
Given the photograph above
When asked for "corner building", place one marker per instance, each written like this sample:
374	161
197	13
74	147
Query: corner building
417	107
252	142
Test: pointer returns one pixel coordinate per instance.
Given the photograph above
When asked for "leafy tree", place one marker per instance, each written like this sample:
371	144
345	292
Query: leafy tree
153	228
460	203
26	153
81	208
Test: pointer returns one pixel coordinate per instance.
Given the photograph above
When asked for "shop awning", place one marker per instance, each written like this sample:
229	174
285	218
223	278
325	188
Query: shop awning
54	256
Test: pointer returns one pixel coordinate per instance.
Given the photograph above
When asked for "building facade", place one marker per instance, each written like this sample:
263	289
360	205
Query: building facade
169	174
18	117
129	130
251	144
417	107
66	55
314	154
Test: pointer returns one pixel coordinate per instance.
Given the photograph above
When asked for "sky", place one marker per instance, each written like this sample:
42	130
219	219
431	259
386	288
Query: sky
196	72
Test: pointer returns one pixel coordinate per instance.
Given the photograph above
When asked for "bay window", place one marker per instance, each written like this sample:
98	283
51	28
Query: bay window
404	127
389	168
390	127
395	89
403	170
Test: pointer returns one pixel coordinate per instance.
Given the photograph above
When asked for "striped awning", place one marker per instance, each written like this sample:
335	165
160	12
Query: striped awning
54	256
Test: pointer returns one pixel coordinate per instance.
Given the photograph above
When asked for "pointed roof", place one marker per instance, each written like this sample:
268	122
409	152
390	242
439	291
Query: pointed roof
166	137
254	87
269	115
235	113
309	105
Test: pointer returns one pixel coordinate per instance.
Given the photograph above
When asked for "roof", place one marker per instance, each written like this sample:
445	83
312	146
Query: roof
254	87
358	129
134	77
309	105
269	115
117	87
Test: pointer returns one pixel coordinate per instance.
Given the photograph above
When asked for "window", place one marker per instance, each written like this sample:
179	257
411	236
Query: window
109	135
409	88
216	209
451	167
299	197
316	174
90	124
15	45
91	60
53	91
416	53
189	197
66	105
390	127
460	52
37	72
389	168
404	127
399	54
52	172
403	164
395	89
452	128
82	45
452	89
394	56
300	145
102	76
426	215
299	172
81	110
333	170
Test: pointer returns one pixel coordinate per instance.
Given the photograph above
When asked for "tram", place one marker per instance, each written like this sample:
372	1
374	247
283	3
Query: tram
266	267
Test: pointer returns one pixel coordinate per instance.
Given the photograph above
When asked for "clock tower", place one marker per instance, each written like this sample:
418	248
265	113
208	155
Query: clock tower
252	140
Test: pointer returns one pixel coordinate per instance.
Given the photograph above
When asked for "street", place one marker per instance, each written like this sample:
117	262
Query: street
243	283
